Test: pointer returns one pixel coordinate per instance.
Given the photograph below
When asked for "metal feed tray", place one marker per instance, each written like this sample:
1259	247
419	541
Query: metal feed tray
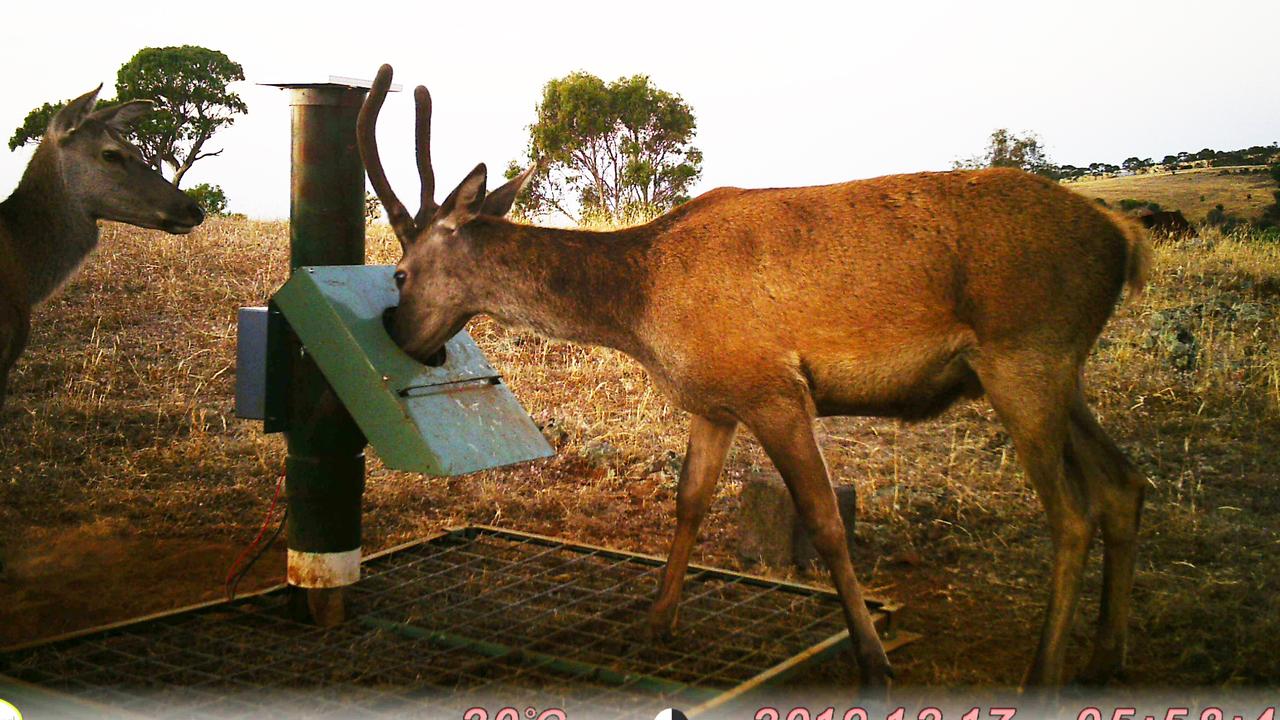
472	617
449	420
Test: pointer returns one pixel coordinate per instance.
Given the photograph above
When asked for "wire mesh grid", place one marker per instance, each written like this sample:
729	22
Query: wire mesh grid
470	618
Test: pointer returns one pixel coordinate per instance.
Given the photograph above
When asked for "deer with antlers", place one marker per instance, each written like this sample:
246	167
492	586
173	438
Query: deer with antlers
890	297
83	171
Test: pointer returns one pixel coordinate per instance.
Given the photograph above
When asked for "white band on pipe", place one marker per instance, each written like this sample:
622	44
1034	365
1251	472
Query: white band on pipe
324	570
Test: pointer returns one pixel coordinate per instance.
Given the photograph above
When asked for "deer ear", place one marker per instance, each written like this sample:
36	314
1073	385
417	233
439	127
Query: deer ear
70	117
465	202
499	202
122	116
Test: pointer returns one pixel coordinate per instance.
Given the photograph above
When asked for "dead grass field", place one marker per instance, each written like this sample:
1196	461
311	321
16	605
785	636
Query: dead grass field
1195	192
126	486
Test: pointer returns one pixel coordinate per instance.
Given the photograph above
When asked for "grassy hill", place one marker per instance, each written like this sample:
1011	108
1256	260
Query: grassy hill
1194	192
127	486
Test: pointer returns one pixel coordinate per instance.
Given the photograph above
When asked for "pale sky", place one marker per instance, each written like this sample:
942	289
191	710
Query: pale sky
785	93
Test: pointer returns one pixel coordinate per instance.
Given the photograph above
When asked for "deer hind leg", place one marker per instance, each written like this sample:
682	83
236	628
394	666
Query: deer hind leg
14	328
708	444
1118	489
786	432
1032	393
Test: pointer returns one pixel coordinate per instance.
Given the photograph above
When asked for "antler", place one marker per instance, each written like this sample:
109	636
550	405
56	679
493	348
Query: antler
366	124
422	131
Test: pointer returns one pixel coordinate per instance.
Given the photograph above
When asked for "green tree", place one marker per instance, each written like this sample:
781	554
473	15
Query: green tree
1009	149
610	149
1134	164
209	197
188	85
34	124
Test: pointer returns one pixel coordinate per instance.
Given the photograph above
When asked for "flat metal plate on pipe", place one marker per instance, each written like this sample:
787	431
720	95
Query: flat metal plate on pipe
449	420
471	617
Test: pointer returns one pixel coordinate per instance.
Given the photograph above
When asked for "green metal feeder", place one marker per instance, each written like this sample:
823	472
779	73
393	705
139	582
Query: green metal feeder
318	365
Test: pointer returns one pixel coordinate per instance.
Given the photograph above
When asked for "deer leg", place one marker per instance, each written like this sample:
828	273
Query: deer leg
1032	394
703	460
14	328
787	437
1118	487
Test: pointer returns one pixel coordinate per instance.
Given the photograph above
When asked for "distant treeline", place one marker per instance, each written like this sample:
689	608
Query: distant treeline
1256	155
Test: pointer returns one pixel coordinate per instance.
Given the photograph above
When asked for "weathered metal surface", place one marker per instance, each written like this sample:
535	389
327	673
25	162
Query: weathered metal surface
280	348
449	420
329	81
323	495
323	570
440	625
326	209
251	363
324	470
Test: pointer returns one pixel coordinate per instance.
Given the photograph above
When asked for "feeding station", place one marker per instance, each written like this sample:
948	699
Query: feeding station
467	612
318	364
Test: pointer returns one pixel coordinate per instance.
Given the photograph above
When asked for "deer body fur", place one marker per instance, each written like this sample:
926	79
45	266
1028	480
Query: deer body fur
872	296
893	297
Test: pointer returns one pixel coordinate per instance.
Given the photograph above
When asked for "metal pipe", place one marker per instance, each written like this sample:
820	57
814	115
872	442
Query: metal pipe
324	470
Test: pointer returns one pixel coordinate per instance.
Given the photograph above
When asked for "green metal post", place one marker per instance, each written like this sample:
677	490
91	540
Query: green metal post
324	470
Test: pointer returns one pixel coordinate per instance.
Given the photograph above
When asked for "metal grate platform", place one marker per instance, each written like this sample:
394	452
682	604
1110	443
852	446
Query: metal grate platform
475	616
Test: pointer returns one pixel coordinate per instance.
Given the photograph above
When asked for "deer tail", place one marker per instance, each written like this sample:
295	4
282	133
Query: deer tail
1139	257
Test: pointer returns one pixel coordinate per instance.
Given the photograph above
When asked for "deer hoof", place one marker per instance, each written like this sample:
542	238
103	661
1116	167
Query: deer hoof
875	675
661	626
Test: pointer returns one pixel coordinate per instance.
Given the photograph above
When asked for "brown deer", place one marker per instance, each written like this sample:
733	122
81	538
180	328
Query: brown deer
890	297
83	171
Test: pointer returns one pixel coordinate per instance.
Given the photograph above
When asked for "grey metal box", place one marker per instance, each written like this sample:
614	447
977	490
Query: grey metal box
251	363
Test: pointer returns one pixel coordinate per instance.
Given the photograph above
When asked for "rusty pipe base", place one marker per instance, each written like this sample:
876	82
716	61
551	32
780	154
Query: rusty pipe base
320	581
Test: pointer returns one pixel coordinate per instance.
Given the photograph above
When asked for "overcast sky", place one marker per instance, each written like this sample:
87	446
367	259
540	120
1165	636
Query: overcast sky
785	93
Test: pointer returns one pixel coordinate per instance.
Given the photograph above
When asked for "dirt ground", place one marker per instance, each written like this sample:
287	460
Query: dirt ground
127	486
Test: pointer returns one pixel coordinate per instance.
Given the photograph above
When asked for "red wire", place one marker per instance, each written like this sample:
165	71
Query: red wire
266	523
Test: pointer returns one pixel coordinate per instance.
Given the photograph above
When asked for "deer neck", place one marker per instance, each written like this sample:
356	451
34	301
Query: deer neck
581	286
51	233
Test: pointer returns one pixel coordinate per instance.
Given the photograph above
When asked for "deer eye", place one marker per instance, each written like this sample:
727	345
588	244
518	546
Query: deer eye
400	278
112	156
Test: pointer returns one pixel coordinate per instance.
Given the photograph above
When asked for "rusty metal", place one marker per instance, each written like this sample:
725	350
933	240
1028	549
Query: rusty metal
325	464
471	616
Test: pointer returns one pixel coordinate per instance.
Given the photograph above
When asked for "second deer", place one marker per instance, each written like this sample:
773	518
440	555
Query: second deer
889	297
83	171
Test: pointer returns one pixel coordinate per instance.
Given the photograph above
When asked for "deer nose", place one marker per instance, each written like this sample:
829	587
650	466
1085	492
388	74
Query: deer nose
195	212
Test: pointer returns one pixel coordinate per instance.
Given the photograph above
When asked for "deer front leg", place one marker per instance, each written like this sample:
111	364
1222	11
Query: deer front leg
709	442
15	325
787	436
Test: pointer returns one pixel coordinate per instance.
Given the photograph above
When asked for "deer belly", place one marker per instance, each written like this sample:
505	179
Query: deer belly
911	382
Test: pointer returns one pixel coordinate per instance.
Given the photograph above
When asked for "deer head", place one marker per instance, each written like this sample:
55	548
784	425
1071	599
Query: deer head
107	176
431	275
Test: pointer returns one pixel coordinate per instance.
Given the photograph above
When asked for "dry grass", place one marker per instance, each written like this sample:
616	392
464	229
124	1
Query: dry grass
125	473
1195	192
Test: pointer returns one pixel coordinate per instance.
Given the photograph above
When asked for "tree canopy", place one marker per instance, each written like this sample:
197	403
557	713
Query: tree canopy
211	198
609	149
188	85
1009	149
